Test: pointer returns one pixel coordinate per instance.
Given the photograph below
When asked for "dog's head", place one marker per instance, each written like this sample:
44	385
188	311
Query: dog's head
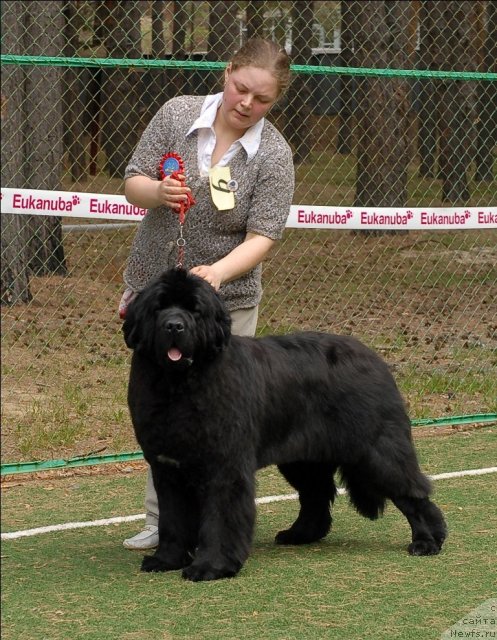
177	319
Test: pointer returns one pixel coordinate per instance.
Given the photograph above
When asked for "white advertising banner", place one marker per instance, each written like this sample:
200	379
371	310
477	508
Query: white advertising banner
100	206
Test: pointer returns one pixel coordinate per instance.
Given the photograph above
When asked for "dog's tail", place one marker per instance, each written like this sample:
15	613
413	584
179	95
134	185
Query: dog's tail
371	482
362	494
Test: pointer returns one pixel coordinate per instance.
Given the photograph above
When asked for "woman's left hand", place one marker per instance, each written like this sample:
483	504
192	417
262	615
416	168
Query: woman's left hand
242	259
209	274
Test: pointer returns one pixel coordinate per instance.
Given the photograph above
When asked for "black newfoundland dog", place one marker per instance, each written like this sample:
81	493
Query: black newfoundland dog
209	409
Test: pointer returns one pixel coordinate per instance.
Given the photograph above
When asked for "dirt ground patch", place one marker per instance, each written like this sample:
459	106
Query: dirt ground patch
425	301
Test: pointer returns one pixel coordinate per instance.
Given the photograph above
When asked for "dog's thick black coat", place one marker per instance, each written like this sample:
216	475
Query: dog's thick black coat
209	409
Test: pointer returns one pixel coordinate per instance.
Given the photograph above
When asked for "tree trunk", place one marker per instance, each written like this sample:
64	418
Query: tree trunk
344	136
255	19
382	40
450	34
43	130
180	21
487	103
14	263
428	117
223	39
224	34
120	123
459	20
298	130
73	102
160	87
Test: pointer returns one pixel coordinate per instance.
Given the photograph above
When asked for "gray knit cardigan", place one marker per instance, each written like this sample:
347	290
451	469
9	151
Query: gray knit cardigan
262	203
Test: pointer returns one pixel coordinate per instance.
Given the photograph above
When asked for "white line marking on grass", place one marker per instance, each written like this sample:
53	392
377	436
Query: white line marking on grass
12	535
289	496
460	474
71	525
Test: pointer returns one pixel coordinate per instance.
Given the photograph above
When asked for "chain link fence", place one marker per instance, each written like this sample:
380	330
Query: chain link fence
362	136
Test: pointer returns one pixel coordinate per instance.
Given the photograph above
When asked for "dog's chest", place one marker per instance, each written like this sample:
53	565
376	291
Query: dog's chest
172	433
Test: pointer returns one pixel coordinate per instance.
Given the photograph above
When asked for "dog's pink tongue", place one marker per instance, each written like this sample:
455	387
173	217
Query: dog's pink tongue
174	354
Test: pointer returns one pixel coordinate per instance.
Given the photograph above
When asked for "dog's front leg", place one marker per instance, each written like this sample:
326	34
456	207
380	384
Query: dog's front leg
226	528
178	523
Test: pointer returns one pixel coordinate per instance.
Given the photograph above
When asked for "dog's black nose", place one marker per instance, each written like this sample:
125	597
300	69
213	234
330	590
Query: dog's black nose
175	326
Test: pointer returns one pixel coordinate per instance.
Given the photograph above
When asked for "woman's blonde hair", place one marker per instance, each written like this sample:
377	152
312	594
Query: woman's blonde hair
264	54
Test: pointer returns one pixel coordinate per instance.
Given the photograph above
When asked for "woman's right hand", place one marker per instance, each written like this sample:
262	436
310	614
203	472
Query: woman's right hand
171	192
149	194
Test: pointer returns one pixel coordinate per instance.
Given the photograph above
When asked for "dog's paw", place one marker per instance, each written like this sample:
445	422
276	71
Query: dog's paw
205	571
424	548
294	536
286	536
155	564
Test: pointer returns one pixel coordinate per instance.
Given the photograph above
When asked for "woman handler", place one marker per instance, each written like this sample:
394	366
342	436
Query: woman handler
238	170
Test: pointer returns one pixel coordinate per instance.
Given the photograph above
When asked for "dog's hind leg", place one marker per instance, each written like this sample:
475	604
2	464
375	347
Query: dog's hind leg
399	479
427	524
409	490
316	487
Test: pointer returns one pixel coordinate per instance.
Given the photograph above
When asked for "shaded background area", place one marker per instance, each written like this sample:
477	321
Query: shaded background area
425	300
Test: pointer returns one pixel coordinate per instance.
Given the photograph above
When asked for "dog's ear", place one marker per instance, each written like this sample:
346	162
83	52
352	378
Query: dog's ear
222	325
139	321
130	328
216	320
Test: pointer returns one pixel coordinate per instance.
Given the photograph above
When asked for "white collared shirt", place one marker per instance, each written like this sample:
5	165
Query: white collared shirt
250	140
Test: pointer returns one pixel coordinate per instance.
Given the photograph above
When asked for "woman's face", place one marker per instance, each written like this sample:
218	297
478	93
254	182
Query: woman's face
249	93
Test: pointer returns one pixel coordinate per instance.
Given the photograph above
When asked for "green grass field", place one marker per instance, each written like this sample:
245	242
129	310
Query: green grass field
357	583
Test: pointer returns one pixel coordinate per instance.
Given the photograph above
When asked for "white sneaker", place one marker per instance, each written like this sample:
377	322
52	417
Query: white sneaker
148	538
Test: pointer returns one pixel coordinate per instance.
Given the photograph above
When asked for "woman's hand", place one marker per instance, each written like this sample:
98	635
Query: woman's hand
209	274
239	261
172	193
149	194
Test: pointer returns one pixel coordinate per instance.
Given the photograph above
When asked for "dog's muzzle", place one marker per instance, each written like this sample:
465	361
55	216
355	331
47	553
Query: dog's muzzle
174	327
